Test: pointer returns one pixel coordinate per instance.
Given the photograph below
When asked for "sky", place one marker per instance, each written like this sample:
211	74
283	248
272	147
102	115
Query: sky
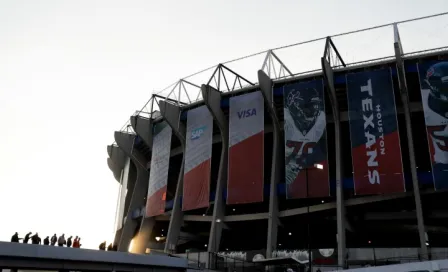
72	72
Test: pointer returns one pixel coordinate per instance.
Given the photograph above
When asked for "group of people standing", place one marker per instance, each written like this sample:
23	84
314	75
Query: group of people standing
36	240
110	247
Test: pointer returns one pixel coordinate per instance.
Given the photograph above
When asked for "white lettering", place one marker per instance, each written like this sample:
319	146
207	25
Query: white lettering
368	116
367	88
374	177
372	156
367	104
368	121
371	139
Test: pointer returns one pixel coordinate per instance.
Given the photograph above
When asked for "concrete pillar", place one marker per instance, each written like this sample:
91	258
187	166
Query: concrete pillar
266	86
407	115
126	142
171	114
117	156
340	208
212	99
143	128
119	159
115	169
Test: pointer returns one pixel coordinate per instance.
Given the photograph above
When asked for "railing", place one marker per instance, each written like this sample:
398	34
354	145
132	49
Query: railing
225	263
220	262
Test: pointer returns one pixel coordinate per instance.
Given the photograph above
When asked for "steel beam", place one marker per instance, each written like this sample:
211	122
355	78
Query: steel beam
126	142
212	99
171	114
407	116
340	209
266	86
246	217
314	208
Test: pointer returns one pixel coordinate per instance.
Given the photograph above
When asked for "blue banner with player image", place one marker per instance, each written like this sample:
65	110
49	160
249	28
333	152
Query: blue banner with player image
434	89
306	162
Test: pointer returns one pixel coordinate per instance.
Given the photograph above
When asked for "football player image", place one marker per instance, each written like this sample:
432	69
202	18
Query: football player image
434	90
305	125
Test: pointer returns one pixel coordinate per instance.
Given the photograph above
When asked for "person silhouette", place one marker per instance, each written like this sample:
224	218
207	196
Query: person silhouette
35	239
27	238
69	241
54	239
15	238
102	246
61	240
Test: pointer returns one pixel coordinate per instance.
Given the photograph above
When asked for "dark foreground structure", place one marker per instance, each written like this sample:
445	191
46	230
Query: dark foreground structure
35	257
341	164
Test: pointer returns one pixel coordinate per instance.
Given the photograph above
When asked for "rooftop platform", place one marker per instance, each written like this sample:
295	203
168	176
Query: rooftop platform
40	257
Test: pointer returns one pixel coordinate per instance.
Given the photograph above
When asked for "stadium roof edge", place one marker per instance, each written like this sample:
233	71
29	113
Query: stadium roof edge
318	72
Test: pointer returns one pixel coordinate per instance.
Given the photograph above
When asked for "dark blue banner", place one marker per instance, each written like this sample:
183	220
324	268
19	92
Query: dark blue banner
376	152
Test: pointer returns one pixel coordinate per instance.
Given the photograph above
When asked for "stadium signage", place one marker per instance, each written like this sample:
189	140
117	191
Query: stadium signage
198	153
371	147
246	149
305	140
197	133
247	113
434	91
374	133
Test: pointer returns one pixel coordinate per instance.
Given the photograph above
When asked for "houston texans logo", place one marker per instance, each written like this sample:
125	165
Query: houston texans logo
304	107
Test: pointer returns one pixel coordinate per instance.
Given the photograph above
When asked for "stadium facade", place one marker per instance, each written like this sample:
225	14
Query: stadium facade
343	160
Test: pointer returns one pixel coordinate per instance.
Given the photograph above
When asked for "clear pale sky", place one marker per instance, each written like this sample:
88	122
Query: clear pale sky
72	72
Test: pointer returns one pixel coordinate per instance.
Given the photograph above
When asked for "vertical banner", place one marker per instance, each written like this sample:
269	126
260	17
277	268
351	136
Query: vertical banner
158	176
434	90
306	162
376	152
198	155
246	149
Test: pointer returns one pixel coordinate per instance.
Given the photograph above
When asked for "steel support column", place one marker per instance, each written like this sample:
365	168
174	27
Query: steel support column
126	142
266	86
212	99
340	208
143	128
407	116
171	114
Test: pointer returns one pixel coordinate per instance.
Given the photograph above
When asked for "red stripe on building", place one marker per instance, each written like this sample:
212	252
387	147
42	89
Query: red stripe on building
196	191
155	204
245	183
389	168
314	178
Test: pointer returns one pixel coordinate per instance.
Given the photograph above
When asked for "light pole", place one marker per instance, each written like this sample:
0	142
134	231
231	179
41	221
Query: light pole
310	261
308	222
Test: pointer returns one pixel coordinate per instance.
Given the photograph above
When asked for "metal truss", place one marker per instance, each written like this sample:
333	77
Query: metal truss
331	54
187	90
222	74
271	62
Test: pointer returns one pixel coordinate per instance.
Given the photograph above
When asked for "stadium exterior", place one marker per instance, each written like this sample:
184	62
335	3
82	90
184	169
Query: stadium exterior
336	213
